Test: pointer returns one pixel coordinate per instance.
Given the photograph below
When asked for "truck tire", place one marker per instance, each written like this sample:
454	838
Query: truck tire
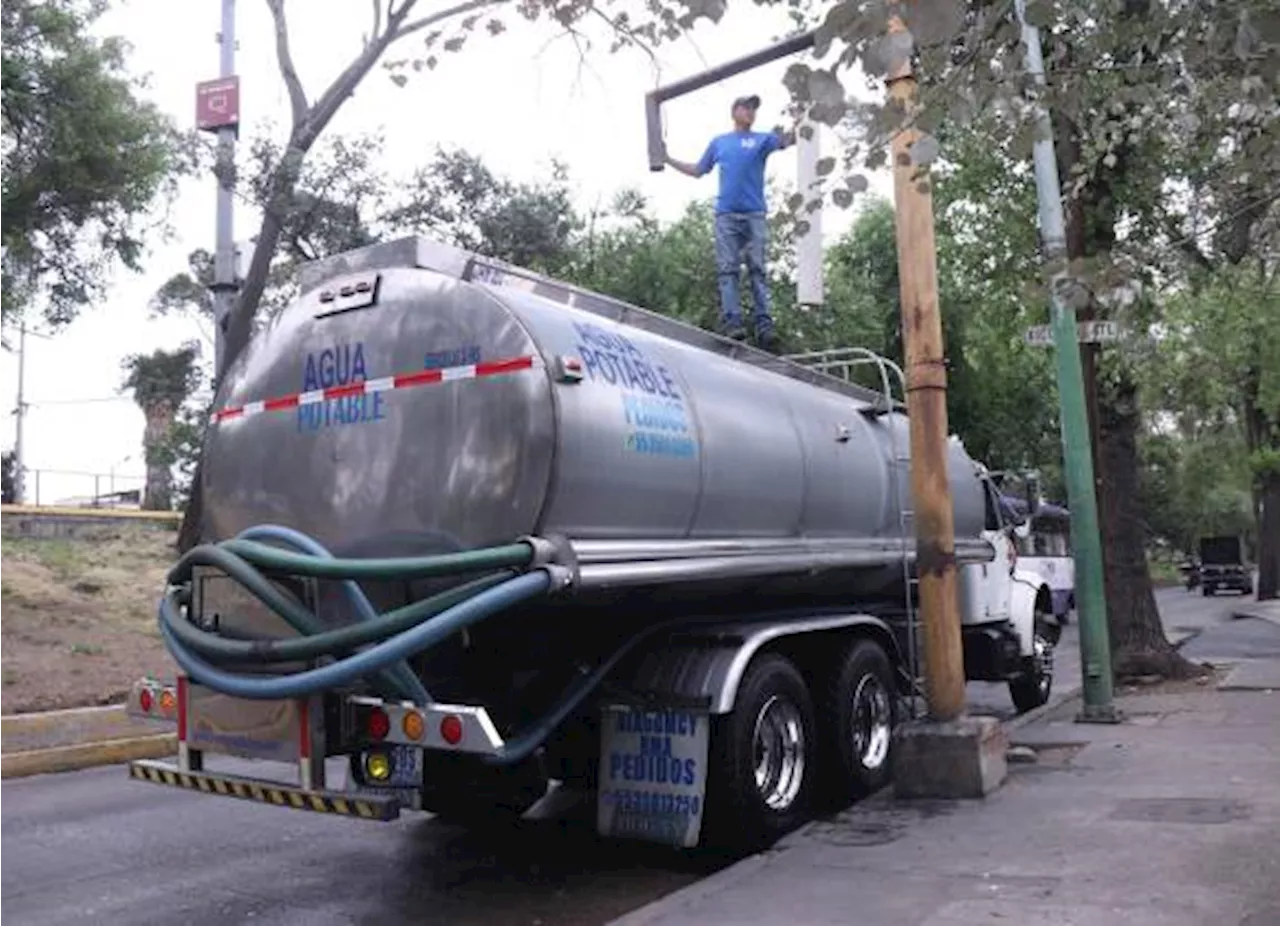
1208	591
762	770
861	706
1033	687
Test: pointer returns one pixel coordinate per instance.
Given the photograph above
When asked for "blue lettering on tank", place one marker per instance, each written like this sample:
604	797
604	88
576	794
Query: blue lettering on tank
452	357
652	407
340	365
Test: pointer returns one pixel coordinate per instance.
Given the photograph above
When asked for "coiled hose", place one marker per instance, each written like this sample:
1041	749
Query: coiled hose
395	636
427	633
406	682
240	560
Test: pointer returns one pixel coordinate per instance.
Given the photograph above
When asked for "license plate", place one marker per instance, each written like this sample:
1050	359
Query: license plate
405	782
653	774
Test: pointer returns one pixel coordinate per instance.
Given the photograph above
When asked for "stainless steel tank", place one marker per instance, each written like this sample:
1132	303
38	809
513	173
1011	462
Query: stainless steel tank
662	452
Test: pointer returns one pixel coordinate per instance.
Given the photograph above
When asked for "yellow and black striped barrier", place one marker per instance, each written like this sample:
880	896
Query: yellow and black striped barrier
364	807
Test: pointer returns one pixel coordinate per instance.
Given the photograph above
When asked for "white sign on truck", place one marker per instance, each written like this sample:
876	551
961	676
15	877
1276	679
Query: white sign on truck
653	774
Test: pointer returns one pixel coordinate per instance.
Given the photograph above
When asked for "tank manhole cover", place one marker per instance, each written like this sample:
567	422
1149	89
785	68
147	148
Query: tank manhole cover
1181	810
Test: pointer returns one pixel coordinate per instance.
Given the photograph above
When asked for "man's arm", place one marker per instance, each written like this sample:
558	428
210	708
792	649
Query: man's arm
689	170
785	138
700	169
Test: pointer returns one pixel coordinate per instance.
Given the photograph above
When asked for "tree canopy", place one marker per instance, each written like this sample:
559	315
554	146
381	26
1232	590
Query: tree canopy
84	157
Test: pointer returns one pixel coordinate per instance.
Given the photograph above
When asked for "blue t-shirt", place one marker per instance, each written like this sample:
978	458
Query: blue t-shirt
740	157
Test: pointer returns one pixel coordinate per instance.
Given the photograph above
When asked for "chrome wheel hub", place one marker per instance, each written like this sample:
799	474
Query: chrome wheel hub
1042	654
779	749
872	722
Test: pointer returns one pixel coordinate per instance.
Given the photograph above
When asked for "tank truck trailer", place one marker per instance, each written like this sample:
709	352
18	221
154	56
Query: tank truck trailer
474	535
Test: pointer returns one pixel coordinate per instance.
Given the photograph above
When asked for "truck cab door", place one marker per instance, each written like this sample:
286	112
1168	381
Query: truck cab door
996	578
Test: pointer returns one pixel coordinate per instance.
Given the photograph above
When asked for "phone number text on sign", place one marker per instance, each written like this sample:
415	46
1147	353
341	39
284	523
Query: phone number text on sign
652	775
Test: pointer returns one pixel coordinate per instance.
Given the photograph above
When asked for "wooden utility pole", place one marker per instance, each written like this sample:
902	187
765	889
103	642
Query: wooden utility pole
926	403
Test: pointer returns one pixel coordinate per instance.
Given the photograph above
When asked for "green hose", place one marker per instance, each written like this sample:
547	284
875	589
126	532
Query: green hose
218	649
514	555
241	560
269	594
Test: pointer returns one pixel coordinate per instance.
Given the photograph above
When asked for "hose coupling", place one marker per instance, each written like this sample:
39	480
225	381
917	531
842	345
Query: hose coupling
555	553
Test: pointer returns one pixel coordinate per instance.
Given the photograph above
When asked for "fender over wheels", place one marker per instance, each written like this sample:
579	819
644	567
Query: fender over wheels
1032	687
861	707
762	769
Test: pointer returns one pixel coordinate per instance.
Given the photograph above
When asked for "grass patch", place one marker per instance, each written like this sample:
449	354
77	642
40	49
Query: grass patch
80	615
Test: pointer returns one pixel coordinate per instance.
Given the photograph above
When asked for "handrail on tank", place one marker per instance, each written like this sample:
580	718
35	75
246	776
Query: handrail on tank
425	253
846	359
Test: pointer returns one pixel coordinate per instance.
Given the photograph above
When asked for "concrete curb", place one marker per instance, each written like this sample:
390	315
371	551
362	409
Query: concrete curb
87	755
1259	610
1056	700
59	741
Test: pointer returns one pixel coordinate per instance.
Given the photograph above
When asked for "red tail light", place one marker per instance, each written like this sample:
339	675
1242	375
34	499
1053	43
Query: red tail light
378	724
451	730
144	700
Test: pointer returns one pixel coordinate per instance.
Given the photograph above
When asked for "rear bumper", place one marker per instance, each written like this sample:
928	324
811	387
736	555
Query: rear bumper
1227	578
343	804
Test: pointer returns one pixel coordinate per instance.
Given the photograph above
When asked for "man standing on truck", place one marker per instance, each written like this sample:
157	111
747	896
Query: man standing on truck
742	228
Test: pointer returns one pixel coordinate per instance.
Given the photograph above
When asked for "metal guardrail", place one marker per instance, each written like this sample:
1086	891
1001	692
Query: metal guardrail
64	488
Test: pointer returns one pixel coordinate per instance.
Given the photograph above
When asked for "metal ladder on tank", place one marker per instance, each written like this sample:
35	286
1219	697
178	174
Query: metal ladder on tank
843	362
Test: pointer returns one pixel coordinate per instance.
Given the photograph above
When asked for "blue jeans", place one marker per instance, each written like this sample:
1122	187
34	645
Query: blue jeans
739	235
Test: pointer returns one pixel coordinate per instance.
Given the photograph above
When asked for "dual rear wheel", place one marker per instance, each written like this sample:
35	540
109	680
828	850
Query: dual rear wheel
773	762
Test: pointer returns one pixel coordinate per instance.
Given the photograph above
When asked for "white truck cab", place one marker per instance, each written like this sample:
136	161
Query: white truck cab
1006	613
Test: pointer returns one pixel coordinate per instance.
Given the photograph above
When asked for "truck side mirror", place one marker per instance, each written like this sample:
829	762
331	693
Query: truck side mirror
1032	486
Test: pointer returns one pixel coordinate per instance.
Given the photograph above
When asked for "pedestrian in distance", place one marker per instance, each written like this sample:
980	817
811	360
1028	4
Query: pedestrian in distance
742	228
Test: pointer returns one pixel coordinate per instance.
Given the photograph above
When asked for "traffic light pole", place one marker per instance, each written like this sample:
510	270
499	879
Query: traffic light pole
1095	645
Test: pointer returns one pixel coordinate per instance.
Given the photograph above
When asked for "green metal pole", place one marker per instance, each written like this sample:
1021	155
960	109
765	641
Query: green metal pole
1091	603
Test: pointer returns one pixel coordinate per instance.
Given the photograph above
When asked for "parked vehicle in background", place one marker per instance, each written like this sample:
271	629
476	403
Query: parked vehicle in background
1046	551
1222	565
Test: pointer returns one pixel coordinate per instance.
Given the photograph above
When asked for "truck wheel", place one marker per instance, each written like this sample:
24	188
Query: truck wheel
862	707
1208	591
1031	689
760	781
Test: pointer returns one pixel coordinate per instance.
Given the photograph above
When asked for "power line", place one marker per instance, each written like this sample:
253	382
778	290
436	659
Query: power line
109	398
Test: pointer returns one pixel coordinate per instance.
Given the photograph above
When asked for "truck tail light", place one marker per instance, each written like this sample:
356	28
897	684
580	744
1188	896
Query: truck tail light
413	725
451	729
377	724
145	700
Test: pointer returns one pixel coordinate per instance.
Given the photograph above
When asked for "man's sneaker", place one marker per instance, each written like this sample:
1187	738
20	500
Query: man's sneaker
768	341
734	332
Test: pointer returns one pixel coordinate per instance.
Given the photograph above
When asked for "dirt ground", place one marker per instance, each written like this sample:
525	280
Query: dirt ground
78	616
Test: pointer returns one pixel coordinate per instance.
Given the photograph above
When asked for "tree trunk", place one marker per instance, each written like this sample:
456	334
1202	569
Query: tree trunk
1138	642
158	492
239	330
1269	539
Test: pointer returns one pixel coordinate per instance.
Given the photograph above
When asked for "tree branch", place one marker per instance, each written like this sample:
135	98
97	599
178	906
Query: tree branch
377	20
400	31
288	72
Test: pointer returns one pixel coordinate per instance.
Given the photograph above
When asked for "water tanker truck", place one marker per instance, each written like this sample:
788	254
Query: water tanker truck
473	537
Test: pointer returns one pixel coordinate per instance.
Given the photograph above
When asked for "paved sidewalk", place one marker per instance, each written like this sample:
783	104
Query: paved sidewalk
1170	819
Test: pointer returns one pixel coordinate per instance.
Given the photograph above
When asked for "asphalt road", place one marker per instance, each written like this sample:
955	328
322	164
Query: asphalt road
1185	615
95	848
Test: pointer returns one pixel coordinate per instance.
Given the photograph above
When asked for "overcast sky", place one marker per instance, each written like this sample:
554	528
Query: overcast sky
518	100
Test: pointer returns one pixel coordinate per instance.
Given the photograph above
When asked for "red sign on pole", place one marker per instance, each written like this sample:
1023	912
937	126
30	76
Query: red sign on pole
218	104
